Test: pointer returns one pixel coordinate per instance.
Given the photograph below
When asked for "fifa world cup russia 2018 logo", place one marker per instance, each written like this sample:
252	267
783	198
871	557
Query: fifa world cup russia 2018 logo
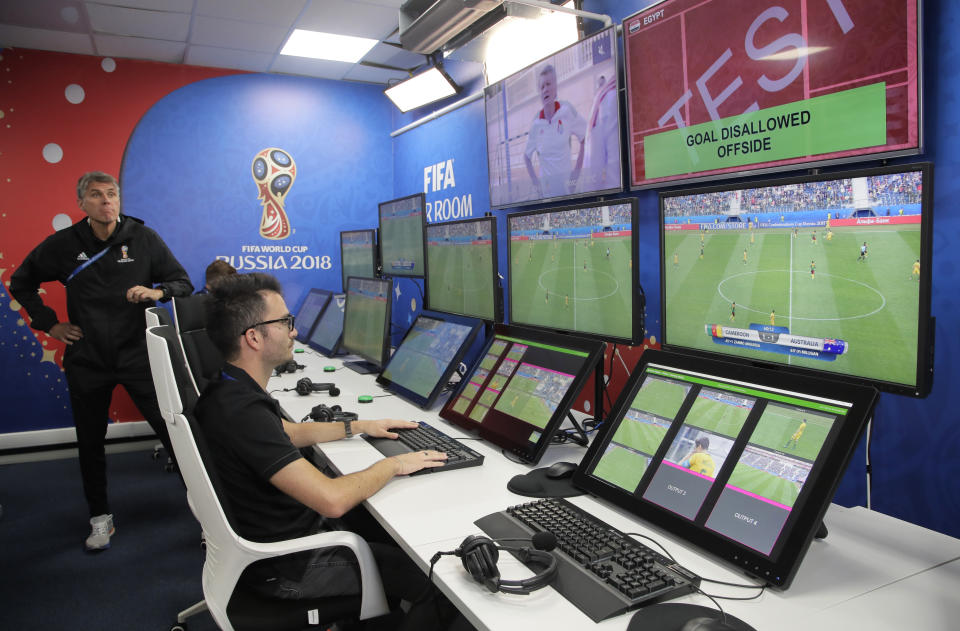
274	172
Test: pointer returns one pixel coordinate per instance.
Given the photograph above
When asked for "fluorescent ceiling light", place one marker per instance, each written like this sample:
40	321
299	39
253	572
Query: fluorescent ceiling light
424	88
328	46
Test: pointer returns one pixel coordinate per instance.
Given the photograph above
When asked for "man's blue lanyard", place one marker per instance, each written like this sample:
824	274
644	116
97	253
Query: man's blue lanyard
86	264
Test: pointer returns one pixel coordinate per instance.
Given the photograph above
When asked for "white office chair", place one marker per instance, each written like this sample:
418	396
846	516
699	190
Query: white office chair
155	317
228	554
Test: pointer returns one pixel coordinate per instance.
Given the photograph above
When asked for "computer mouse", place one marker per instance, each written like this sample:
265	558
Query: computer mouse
706	623
560	470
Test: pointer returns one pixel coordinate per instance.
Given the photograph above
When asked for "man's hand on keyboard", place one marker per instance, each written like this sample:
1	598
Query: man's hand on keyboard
381	428
416	460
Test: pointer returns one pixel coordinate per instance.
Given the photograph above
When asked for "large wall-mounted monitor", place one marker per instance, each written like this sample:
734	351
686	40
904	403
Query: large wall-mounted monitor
461	273
553	128
716	89
358	254
739	460
426	358
328	330
826	273
572	269
521	389
402	223
366	323
310	309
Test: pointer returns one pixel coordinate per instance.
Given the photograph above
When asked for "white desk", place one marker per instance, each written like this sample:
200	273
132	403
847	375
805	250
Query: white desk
871	567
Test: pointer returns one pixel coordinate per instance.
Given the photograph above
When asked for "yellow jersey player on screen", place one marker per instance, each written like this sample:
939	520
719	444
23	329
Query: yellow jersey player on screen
676	259
773	317
699	460
744	256
813	270
915	273
795	438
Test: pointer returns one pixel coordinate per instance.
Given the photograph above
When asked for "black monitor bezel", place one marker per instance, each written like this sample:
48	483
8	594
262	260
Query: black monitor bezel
421	401
374	254
496	298
380	361
303	334
924	368
637	316
384	272
329	352
777	571
621	113
593	349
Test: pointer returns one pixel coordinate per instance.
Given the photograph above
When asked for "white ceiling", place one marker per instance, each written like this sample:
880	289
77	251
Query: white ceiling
235	34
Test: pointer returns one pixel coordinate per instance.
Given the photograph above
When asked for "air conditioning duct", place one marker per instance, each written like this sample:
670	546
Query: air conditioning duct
426	25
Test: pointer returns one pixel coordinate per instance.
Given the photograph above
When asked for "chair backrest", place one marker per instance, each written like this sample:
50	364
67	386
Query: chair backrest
157	316
190	312
203	358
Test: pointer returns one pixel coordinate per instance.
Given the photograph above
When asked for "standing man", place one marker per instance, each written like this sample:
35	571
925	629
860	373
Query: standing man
549	137
113	268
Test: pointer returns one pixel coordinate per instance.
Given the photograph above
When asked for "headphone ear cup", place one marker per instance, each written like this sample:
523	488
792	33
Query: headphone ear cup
479	557
336	408
303	386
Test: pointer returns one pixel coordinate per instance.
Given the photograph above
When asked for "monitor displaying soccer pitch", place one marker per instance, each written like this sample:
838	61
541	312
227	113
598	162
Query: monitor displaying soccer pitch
402	223
826	273
461	274
571	269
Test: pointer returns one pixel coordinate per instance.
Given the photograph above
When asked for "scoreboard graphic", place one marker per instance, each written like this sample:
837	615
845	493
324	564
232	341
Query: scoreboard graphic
777	339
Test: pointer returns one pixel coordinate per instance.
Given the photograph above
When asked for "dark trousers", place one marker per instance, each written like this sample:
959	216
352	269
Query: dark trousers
90	394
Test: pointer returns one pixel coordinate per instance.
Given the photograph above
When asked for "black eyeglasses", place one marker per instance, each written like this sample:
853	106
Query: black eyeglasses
289	319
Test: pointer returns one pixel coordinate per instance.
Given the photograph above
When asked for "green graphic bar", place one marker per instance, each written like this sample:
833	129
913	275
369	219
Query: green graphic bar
851	119
719	385
546	346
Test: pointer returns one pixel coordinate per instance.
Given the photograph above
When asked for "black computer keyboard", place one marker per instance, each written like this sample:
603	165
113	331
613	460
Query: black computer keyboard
601	570
428	437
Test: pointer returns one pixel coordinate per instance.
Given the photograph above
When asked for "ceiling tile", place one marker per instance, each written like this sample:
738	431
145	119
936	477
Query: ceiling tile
41	39
227	58
349	18
139	22
183	6
54	15
276	12
374	75
310	67
139	48
222	33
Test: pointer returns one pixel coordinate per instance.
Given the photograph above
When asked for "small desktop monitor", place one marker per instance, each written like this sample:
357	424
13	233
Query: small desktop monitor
553	128
358	254
426	358
521	388
739	460
572	269
308	313
402	224
826	273
366	323
326	334
461	272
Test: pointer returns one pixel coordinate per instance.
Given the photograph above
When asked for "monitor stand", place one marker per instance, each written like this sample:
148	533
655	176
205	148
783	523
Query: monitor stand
362	367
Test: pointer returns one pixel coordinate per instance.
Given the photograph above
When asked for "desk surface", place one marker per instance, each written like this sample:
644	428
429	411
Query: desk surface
871	566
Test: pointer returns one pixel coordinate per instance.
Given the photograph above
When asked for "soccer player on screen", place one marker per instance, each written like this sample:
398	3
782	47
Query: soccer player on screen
795	438
863	252
733	310
813	237
773	317
701	251
744	256
676	259
549	138
813	269
699	460
915	273
608	252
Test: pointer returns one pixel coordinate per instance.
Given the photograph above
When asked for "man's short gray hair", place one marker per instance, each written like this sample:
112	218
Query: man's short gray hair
94	176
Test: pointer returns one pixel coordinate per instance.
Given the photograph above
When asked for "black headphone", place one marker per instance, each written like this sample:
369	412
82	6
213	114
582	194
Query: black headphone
305	386
323	414
288	366
479	556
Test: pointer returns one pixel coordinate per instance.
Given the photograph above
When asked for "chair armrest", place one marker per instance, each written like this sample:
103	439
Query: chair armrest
373	600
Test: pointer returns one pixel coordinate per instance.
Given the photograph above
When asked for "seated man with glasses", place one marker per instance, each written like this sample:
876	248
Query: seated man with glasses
262	458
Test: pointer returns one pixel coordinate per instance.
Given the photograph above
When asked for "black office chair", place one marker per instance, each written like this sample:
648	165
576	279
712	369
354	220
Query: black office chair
232	605
203	358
